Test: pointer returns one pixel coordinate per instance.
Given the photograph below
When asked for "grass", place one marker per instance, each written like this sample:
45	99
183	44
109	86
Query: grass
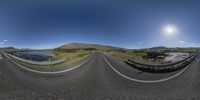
136	56
185	50
70	56
12	51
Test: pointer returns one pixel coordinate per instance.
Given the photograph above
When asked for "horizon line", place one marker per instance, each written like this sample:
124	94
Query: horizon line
98	44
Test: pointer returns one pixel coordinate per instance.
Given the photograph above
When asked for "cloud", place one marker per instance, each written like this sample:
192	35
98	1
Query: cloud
182	42
3	42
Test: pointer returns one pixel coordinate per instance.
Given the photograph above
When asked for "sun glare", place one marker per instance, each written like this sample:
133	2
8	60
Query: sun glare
170	30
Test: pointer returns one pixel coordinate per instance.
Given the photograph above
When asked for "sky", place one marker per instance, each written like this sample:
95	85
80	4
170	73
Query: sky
41	24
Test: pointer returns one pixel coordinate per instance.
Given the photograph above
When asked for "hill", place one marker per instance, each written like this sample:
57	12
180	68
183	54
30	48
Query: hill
7	48
86	46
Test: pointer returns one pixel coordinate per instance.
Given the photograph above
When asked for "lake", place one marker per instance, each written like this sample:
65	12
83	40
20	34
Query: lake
34	55
176	56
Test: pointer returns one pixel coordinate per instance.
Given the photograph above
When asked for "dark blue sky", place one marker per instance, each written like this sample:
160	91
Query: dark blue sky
125	23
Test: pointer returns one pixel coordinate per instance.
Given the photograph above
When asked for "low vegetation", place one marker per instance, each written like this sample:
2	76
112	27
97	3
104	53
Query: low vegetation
71	55
12	51
185	50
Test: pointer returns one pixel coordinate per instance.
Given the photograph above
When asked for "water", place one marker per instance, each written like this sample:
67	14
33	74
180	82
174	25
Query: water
34	55
176	56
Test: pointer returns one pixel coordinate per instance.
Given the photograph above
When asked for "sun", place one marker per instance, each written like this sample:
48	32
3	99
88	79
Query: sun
170	30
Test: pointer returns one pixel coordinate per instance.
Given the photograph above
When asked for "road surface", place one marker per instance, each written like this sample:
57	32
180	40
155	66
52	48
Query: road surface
95	80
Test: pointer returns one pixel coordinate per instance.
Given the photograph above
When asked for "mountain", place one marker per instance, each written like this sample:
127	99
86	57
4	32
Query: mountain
7	48
159	48
85	46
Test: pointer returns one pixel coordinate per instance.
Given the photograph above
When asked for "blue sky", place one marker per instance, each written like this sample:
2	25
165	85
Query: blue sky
125	23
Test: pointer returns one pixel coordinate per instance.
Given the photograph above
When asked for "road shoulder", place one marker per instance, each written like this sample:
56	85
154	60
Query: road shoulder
130	73
55	70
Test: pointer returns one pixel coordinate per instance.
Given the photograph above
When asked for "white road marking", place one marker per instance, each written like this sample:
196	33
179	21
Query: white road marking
55	72
1	56
144	81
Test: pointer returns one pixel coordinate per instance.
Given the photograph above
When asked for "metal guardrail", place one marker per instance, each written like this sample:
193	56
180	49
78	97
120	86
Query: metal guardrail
36	62
163	67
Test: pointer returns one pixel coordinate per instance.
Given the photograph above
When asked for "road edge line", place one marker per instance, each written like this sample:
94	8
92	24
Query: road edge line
52	72
144	81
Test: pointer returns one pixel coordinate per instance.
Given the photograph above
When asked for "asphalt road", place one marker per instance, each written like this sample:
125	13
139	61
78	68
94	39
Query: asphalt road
95	80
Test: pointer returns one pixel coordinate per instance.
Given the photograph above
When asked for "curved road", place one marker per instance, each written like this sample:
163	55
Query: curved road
94	80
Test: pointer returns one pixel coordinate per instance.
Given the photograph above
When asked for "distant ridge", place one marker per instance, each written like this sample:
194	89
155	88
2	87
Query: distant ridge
159	47
7	48
85	45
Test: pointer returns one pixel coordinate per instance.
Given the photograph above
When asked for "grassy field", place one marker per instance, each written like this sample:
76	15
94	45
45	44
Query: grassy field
136	55
184	50
71	56
12	51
